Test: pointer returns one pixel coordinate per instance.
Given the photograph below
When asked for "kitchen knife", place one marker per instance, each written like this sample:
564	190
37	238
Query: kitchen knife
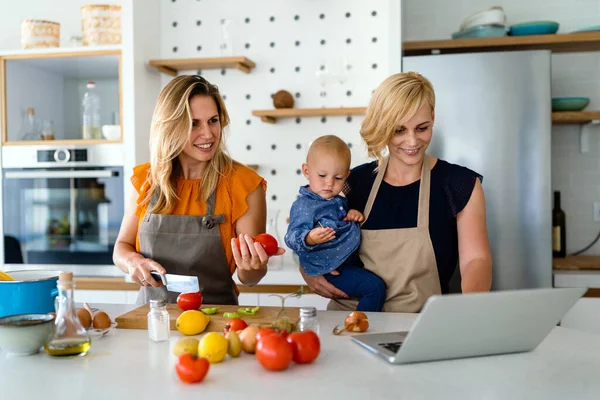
177	283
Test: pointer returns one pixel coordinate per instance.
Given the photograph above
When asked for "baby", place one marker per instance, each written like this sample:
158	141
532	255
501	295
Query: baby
323	233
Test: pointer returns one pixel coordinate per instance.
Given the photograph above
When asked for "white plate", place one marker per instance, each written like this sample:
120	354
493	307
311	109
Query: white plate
101	332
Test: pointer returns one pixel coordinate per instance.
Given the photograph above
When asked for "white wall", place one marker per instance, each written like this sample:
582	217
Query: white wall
65	12
280	149
576	175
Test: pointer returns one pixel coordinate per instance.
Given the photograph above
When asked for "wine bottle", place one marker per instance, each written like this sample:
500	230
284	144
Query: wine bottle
559	229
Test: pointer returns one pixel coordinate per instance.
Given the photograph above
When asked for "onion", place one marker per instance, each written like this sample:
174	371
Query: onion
356	321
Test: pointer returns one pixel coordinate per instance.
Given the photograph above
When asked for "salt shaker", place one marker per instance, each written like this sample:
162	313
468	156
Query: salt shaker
308	320
158	321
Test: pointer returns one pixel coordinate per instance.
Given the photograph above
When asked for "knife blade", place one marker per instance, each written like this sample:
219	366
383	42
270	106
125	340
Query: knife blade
178	283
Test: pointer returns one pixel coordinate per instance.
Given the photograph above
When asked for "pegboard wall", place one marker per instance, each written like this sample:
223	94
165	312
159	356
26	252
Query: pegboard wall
341	49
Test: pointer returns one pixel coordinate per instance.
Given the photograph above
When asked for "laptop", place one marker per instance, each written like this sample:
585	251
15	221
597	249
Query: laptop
478	324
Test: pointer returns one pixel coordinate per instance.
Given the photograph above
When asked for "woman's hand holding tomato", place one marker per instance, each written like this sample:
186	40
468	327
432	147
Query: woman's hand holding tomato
253	253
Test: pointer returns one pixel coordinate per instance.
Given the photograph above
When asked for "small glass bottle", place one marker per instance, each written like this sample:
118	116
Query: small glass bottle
158	321
70	337
308	320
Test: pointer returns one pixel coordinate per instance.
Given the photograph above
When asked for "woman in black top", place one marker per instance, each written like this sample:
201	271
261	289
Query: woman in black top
399	122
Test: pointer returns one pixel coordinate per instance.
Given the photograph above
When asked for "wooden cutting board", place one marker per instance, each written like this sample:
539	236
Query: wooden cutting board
138	318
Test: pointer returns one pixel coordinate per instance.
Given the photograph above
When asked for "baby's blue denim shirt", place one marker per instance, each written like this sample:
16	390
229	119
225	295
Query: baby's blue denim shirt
307	211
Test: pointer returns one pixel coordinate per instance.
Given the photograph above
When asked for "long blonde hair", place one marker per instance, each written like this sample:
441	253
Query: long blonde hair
396	100
170	132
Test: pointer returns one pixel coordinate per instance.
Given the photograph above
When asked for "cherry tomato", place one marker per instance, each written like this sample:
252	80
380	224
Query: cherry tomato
189	301
306	346
191	369
274	353
263	332
268	242
235	324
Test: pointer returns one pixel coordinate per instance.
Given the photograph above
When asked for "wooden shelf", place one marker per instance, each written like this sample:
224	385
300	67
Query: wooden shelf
173	66
576	263
59	142
560	43
575	117
271	116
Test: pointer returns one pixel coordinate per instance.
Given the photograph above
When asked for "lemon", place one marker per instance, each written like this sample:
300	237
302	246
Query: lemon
192	322
213	346
186	345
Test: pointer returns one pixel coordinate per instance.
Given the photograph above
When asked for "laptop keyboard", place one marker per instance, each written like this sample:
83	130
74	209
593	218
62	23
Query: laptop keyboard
393	346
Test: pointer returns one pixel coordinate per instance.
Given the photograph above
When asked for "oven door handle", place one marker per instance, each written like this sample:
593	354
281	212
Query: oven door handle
60	174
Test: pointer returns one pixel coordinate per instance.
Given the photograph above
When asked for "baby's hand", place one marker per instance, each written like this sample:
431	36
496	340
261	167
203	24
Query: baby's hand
319	235
354	216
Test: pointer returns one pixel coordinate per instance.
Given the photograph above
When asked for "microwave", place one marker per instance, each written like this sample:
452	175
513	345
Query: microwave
61	205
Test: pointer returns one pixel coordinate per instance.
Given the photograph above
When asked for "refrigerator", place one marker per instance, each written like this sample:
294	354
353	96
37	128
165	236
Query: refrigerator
493	115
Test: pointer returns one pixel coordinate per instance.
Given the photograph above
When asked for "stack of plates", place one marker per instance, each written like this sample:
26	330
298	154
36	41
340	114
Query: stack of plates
534	28
569	103
486	23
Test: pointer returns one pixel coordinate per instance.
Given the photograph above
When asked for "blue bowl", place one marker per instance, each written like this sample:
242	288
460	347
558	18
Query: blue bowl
569	103
480	32
534	28
593	28
32	292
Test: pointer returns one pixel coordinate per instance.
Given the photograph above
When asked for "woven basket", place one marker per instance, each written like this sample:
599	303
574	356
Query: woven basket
101	24
39	33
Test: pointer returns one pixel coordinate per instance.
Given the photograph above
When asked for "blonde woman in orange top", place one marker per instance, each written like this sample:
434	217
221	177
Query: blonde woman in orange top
192	201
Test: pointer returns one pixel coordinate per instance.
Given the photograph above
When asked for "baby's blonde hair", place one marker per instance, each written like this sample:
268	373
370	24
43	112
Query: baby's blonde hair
396	100
332	145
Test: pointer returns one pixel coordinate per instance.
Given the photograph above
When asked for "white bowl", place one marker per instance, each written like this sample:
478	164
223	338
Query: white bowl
492	16
111	132
24	334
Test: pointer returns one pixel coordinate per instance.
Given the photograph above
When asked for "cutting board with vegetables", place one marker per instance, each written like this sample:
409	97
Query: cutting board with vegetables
138	318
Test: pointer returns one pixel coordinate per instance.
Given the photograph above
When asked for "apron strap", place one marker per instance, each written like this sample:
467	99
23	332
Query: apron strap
375	189
210	204
424	191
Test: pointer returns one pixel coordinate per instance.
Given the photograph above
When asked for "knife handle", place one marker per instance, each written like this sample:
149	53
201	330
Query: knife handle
158	277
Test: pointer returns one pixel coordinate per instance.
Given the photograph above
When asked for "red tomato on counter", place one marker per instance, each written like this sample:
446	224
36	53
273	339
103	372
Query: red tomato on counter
191	369
264	332
274	353
306	346
235	324
268	242
189	301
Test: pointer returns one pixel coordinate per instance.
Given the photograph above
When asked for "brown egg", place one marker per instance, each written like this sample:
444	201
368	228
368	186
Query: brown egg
84	317
101	320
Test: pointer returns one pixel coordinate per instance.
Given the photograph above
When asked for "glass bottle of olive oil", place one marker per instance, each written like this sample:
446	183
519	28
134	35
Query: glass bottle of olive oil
70	337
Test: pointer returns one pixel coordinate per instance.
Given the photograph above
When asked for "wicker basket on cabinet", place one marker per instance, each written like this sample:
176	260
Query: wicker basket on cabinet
36	33
101	24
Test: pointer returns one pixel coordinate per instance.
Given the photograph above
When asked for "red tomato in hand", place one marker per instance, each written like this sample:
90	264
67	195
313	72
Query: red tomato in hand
191	369
235	324
274	353
306	346
268	242
189	301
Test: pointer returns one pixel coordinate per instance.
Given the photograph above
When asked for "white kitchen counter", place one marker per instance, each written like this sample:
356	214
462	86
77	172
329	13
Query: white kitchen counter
126	365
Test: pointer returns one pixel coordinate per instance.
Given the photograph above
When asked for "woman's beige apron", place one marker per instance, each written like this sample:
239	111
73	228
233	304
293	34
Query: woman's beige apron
403	258
187	245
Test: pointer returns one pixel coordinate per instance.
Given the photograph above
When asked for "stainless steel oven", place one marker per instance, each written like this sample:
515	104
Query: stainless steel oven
61	204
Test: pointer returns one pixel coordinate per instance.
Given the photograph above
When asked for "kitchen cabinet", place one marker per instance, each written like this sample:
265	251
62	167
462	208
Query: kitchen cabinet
41	96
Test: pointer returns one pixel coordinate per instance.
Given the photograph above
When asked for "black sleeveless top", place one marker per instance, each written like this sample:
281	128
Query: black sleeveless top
395	207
